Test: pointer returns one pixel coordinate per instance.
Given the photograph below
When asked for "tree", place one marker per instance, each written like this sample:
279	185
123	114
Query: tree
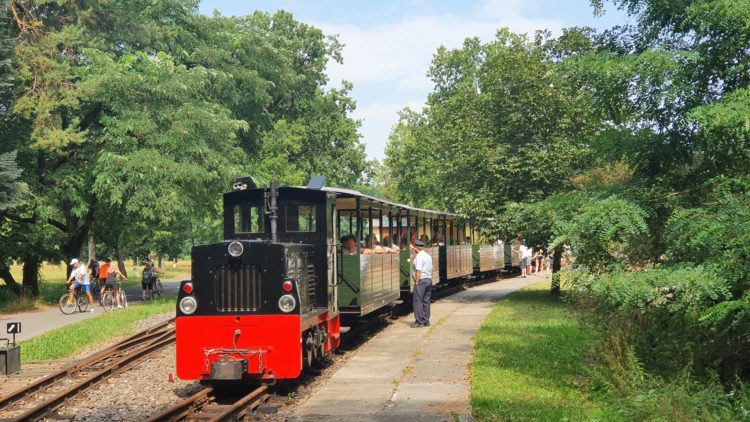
138	114
503	123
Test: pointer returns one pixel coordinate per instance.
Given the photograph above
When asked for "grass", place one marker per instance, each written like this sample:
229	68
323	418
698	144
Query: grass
529	362
71	339
53	284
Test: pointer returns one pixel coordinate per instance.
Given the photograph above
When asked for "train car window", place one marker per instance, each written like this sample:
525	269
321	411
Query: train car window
300	218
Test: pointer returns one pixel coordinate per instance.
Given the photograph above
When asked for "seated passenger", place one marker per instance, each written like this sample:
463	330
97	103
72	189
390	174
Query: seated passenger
349	245
388	245
374	245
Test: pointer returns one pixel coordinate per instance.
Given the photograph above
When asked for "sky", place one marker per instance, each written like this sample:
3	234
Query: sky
389	44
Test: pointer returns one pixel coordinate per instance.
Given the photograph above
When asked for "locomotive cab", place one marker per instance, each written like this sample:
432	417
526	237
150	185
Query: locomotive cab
260	305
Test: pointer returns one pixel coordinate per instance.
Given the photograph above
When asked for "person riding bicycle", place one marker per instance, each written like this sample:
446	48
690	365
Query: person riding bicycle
80	278
149	277
112	274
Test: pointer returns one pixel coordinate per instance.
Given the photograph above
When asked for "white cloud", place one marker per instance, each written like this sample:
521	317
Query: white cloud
377	121
399	54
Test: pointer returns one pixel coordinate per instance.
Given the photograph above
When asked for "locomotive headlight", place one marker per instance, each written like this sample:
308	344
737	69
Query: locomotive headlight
188	305
235	249
287	303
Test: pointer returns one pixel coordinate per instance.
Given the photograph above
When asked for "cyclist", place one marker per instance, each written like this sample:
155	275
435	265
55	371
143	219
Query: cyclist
112	273
80	278
103	270
149	276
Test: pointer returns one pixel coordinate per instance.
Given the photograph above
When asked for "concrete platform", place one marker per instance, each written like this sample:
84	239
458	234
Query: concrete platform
406	374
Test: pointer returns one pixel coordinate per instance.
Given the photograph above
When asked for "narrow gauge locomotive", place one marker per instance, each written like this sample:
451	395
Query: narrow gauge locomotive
268	301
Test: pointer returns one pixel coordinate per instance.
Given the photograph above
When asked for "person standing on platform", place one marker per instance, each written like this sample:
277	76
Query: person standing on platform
422	285
524	253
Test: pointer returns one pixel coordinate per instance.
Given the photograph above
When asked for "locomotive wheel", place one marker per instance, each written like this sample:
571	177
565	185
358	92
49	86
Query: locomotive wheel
308	351
315	348
321	348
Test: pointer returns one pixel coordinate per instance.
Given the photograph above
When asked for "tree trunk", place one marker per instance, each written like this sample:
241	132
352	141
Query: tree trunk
31	276
71	250
121	262
556	260
158	262
9	280
92	247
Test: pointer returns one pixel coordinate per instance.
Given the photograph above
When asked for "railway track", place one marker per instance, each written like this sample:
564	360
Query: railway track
210	405
42	397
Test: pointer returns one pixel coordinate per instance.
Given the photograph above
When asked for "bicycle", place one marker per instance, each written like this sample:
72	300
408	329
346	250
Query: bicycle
157	289
109	298
69	302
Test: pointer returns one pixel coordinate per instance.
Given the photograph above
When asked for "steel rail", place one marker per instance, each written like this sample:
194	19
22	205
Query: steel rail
201	405
135	340
116	366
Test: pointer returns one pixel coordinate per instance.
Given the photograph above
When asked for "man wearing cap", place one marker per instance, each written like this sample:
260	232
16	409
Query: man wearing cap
79	277
422	285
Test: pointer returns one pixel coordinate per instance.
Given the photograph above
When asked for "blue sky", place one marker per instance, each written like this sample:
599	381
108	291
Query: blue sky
389	43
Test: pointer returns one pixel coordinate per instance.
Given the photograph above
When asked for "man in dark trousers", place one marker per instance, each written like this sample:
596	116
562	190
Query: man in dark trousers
422	285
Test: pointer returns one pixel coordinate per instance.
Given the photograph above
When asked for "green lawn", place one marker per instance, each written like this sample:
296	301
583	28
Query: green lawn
69	340
529	362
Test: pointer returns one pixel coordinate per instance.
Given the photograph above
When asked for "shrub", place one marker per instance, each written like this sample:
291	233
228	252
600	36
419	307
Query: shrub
660	313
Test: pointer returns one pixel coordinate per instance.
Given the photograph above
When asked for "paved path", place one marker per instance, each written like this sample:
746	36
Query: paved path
407	374
35	323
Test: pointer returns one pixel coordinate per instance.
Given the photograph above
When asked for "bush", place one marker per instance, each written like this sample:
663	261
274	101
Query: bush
660	313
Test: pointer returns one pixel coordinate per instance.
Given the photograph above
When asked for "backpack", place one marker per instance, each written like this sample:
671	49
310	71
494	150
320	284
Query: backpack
147	276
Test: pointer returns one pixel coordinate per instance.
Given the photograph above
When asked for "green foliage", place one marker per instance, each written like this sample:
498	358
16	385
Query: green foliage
716	234
604	233
130	117
11	190
664	315
501	111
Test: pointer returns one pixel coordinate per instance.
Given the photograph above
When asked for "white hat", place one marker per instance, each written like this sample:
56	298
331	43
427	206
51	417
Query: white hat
74	261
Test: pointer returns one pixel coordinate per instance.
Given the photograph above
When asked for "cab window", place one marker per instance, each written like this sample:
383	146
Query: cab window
300	218
249	219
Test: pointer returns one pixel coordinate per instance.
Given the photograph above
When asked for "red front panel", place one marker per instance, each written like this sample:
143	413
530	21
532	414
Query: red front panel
272	344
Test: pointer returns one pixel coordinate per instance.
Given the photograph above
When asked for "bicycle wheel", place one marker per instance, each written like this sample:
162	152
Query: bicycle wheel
108	301
83	303
123	298
68	303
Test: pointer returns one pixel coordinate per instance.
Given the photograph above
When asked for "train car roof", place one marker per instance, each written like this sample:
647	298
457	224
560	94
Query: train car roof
356	194
346	193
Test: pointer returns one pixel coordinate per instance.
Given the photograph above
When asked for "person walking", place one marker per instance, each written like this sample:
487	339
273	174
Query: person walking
79	277
422	285
149	276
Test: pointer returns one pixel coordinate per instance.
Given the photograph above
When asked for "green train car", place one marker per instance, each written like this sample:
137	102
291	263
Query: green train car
375	255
